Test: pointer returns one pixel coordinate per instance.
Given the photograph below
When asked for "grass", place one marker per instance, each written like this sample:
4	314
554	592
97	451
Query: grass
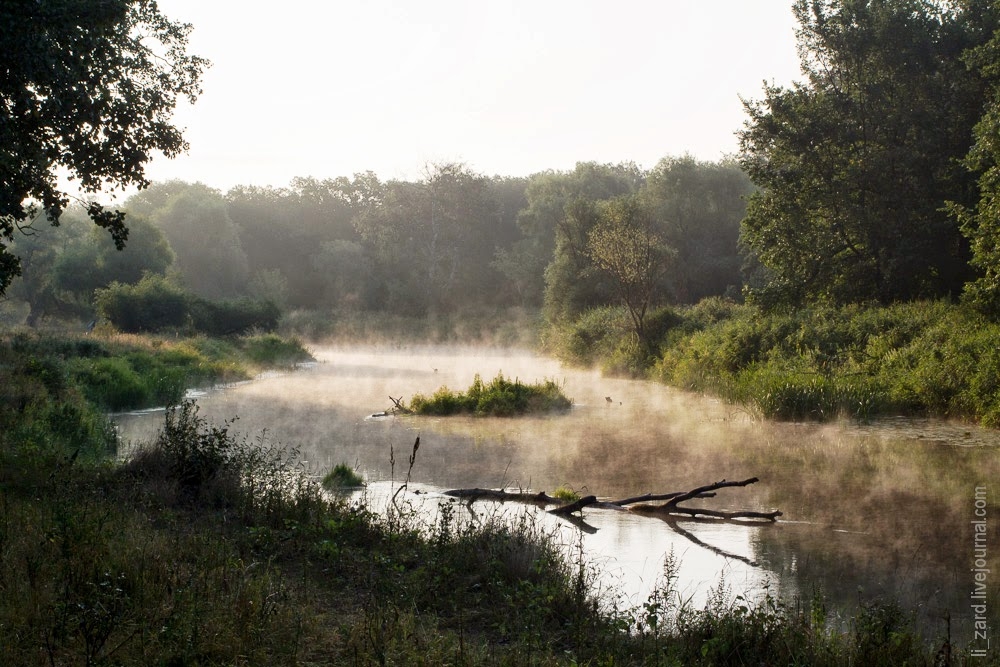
116	372
565	494
816	363
498	398
342	476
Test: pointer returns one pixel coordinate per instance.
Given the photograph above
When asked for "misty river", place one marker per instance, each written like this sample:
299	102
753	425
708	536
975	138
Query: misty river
869	510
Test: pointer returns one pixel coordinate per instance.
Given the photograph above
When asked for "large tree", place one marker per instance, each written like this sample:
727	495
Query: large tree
87	91
627	245
856	163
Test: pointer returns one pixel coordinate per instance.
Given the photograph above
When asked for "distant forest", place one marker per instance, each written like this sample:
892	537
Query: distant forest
453	241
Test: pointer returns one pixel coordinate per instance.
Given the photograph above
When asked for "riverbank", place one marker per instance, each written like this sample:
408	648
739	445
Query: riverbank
819	363
203	548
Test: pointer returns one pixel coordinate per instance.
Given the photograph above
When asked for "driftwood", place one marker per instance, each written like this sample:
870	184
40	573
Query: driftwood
671	508
398	406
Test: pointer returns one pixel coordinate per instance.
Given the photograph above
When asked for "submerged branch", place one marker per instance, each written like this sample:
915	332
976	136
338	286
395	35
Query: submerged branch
671	507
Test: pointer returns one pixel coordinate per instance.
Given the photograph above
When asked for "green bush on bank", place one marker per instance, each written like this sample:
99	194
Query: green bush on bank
498	398
155	304
821	362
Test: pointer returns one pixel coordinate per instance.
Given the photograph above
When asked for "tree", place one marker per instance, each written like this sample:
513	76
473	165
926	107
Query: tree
981	223
434	240
63	266
626	245
542	222
700	206
855	165
209	256
88	90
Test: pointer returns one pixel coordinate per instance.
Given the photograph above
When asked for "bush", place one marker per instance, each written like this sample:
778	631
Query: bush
229	318
272	350
153	304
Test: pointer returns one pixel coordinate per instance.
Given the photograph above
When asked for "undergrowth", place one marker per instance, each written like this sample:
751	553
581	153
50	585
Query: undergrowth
815	363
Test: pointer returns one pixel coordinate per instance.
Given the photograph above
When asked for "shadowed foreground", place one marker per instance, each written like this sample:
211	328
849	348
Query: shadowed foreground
203	549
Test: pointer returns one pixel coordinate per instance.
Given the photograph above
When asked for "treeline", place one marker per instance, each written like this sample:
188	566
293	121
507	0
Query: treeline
873	180
452	242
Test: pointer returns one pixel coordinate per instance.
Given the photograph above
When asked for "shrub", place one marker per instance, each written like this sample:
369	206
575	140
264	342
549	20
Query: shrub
273	350
229	318
152	304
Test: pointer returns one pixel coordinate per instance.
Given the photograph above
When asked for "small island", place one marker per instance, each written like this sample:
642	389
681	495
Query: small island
499	398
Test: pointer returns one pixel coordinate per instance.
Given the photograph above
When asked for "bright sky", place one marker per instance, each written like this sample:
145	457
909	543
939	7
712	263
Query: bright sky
331	88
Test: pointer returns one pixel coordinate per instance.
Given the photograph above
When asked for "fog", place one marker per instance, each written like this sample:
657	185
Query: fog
868	510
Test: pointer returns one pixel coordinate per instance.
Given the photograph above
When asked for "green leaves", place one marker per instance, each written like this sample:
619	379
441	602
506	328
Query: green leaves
855	165
89	90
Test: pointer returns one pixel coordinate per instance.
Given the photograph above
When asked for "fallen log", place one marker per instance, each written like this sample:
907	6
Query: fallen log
502	495
574	506
651	497
671	507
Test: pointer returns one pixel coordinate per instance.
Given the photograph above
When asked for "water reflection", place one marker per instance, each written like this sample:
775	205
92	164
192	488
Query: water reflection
876	509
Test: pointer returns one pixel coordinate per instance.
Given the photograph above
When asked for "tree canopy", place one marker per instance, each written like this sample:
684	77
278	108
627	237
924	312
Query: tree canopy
855	165
87	91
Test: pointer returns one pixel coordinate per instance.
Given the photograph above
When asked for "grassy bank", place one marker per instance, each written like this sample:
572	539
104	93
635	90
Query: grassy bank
923	358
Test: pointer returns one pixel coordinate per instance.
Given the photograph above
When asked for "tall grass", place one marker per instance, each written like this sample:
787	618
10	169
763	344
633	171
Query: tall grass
123	371
499	397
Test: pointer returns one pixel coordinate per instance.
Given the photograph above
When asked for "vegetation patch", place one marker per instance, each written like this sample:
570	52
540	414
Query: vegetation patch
342	476
821	362
498	398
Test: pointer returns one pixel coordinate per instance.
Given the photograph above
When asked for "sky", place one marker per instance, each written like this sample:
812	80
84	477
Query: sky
509	88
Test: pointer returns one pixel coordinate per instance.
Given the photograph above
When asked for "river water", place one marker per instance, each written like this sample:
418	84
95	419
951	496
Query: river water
883	510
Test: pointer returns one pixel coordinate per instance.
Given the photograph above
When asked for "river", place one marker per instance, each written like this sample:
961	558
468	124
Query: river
870	511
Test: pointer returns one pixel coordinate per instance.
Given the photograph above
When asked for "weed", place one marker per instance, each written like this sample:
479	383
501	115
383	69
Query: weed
341	477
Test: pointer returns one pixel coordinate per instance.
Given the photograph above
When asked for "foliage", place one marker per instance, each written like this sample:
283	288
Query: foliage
195	219
855	165
89	93
565	494
980	223
624	244
157	304
700	206
153	304
342	476
228	318
499	398
42	411
273	351
62	267
823	362
438	235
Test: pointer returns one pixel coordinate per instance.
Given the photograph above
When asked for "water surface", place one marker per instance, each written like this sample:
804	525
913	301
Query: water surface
869	510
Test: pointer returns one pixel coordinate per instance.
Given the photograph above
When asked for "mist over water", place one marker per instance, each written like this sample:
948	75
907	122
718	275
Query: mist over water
870	510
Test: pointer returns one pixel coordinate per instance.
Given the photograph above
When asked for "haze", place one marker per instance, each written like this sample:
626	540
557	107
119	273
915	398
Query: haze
331	89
